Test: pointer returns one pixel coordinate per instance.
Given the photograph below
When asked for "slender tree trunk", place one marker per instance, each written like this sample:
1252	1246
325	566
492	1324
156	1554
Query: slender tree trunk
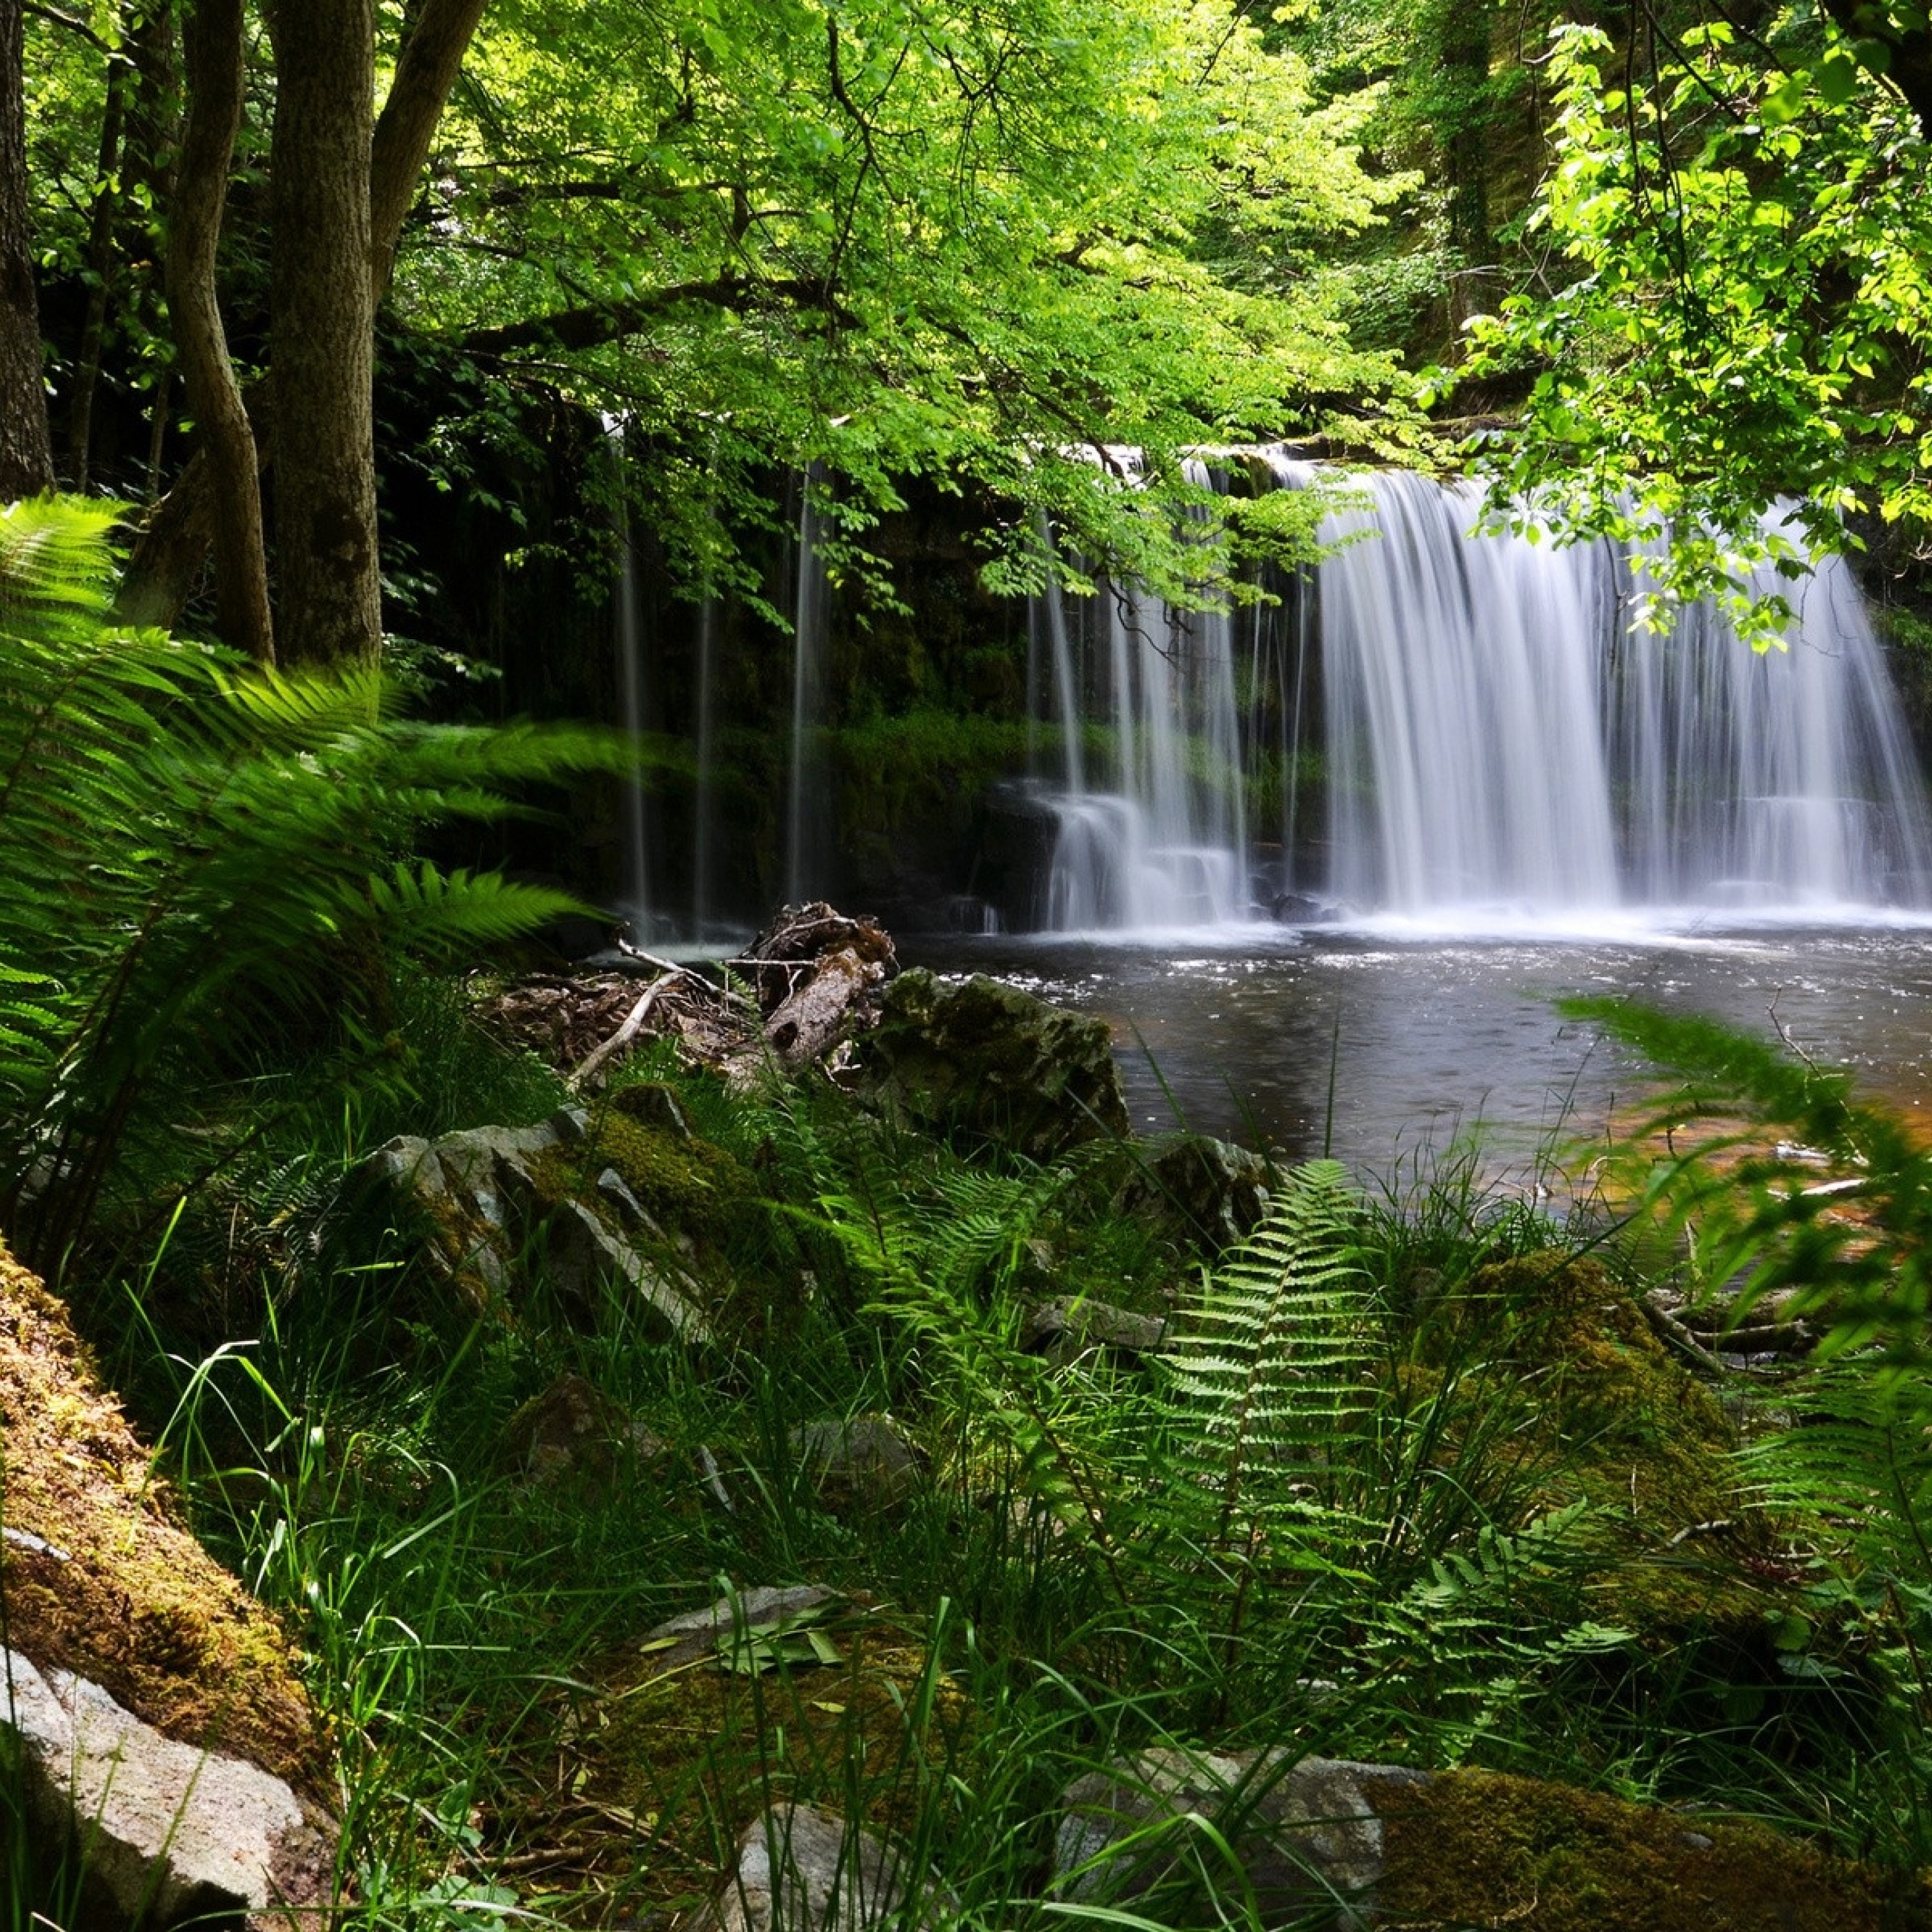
149	152
215	54
322	329
101	262
26	446
167	556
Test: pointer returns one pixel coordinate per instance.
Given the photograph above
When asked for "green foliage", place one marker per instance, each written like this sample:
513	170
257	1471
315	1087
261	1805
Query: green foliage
1761	1198
1745	316
983	247
197	853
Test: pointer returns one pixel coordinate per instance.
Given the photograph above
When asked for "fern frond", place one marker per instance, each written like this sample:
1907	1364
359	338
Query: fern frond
1271	1367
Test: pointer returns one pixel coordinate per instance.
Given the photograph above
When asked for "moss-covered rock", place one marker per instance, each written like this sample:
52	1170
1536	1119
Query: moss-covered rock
101	1579
1581	1403
990	1061
1474	1848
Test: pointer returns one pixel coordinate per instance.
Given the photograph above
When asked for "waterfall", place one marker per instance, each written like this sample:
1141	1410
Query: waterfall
1165	843
1500	741
806	818
1500	744
704	806
630	695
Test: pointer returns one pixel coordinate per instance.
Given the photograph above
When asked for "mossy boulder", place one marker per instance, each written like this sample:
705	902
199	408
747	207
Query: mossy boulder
1476	1848
153	1721
1559	1358
102	1578
991	1062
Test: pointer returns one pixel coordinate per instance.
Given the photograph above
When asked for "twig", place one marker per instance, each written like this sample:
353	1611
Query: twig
593	1060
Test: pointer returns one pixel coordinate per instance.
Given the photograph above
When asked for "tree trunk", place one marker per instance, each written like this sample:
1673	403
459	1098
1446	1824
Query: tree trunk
214	50
100	261
26	446
321	330
432	58
167	556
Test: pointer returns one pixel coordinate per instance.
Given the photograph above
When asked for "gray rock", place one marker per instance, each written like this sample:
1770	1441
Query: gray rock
652	1105
170	1833
1209	1194
584	1254
802	1870
1066	1327
482	1193
988	1059
697	1631
858	1462
1304	1831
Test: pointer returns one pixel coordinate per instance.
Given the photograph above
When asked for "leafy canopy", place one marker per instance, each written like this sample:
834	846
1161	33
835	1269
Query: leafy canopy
1748	241
898	239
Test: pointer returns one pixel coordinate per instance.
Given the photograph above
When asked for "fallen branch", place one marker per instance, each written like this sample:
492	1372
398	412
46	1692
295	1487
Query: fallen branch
594	1060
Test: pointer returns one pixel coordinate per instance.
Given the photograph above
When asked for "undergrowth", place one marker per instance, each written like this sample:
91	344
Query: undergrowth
1411	1480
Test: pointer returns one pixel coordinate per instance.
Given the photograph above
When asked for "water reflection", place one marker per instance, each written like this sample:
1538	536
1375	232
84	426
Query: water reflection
1419	1039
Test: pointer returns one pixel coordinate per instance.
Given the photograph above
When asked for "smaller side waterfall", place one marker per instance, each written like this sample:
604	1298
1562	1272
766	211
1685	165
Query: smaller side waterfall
631	693
807	833
1163	842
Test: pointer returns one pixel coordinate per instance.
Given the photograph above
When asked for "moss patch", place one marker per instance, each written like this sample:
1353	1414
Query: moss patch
1607	1416
684	1760
1475	1848
125	1596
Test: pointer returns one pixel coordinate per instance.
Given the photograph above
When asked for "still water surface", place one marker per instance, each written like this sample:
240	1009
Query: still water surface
1430	1037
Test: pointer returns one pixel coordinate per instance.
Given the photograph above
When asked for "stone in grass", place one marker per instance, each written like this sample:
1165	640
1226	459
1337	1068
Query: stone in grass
1065	1327
799	1869
858	1462
989	1060
571	1435
156	1707
1304	1834
685	1639
171	1835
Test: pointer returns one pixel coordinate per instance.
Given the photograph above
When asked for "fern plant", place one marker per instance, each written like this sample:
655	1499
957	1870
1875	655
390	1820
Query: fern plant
191	847
1267	1379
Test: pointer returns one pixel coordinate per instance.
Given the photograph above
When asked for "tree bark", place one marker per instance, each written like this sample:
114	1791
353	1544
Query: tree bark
426	71
26	444
322	329
168	553
215	53
101	260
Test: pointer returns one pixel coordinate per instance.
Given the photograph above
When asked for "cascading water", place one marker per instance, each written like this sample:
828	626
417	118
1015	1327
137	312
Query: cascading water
1166	844
631	693
807	836
1500	743
1501	746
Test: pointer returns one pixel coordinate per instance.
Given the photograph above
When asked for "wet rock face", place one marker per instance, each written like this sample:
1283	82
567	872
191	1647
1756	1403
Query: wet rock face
154	1707
993	1062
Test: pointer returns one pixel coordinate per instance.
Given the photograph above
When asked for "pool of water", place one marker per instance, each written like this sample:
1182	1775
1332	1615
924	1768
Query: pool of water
1386	1043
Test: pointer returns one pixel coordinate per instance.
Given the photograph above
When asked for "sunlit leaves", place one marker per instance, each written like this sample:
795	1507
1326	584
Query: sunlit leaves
1750	251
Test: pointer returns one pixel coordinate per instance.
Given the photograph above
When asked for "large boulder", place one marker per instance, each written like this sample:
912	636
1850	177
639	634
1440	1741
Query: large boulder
990	1061
156	1707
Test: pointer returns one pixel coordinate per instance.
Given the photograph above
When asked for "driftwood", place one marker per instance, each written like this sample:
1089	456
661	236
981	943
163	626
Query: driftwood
815	974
